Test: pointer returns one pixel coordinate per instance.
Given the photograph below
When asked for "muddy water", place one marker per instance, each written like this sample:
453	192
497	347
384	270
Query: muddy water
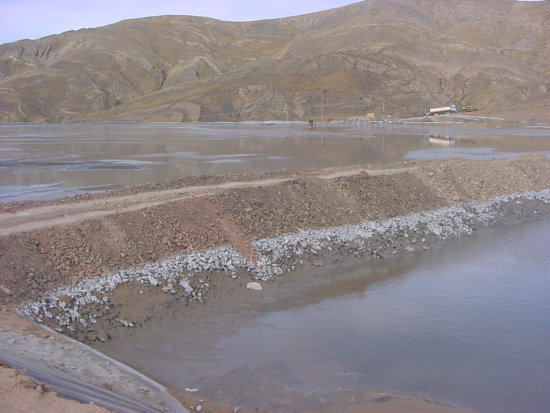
465	322
47	161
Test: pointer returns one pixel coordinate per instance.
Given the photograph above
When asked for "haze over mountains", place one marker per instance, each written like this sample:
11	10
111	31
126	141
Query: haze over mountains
381	56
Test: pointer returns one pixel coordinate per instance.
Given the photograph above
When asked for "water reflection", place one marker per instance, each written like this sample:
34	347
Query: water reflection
94	155
466	322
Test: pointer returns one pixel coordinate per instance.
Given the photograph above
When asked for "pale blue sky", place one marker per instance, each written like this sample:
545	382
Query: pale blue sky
32	19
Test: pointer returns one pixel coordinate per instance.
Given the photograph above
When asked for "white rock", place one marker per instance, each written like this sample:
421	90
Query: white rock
254	286
186	286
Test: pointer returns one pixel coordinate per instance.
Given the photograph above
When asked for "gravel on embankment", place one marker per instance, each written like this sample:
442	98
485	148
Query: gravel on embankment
94	276
77	309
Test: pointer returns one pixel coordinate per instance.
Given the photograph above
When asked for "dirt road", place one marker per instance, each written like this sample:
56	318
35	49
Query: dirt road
63	214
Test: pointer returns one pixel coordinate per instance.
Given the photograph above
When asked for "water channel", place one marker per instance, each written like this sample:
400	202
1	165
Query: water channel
465	322
53	160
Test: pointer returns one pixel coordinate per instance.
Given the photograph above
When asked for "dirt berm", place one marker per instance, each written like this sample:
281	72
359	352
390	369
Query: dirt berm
90	265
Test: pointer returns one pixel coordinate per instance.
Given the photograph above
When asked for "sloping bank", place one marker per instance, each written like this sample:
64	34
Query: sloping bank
91	278
90	310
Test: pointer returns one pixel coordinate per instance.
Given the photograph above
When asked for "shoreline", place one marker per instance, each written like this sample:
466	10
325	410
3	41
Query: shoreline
151	168
238	235
73	309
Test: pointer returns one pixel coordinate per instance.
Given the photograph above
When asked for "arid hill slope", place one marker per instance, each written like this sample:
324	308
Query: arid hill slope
399	56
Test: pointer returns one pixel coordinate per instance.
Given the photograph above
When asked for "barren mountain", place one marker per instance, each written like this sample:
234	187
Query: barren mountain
391	56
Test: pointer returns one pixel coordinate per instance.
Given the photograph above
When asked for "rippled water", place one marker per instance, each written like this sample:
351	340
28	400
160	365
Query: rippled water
467	322
46	161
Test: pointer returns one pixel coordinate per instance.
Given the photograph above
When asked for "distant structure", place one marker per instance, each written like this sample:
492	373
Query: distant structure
439	111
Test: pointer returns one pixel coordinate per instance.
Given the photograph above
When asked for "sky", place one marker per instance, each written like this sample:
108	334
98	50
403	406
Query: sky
32	19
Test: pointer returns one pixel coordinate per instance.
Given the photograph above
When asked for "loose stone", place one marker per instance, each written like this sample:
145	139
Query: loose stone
254	286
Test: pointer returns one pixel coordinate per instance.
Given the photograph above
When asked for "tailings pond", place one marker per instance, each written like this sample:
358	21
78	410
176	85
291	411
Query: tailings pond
466	322
49	161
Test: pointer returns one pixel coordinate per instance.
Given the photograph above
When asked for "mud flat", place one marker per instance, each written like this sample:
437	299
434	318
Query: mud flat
95	268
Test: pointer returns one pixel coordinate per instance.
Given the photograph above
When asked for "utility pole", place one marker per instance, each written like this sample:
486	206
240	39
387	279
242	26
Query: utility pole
323	103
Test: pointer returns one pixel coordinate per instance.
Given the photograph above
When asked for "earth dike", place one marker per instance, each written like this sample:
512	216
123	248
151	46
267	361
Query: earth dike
156	252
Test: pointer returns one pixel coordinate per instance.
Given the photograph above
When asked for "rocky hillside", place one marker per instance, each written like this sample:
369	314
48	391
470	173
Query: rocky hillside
396	56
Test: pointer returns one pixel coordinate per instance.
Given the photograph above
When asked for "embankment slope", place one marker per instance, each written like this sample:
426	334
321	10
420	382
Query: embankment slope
49	245
46	247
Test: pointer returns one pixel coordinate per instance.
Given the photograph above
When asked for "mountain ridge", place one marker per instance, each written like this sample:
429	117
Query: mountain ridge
384	57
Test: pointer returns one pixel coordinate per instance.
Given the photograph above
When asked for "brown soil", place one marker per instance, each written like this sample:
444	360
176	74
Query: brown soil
21	394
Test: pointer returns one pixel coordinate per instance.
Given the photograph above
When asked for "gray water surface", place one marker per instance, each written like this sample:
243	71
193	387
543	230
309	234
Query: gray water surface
467	322
51	160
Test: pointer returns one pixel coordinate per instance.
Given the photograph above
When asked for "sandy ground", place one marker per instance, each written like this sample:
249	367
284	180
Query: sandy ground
74	370
21	394
47	245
